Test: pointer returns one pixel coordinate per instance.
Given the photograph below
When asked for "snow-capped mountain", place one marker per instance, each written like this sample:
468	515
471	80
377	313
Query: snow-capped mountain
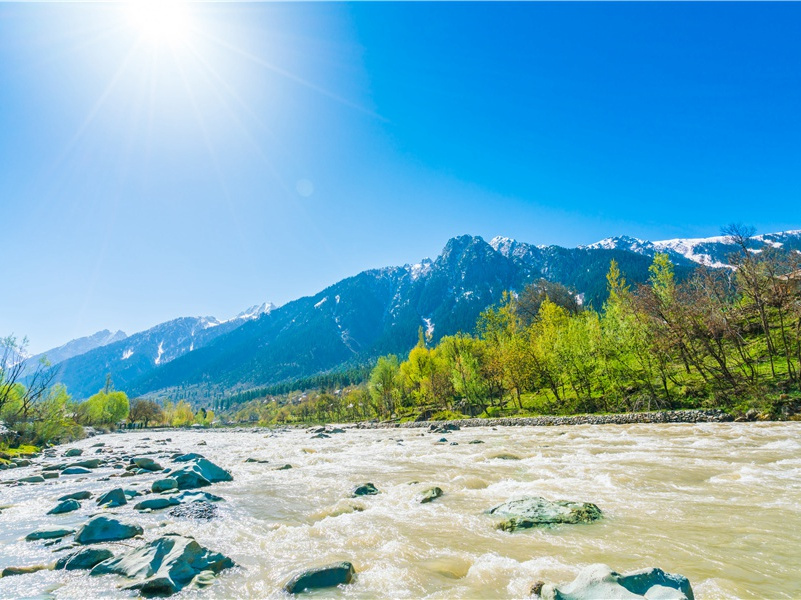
375	312
76	347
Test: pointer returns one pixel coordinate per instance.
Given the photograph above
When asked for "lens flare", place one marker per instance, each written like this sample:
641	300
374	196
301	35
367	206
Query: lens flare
160	21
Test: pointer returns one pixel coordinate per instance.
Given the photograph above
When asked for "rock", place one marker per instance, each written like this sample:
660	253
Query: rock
48	534
157	503
442	441
197	497
75	471
322	577
187	457
430	494
284	468
83	559
200	473
202	443
112	498
104	529
320	436
85	495
73	452
212	472
131	493
90	463
51	475
367	489
32	479
256	460
10	571
189	479
195	510
505	456
98	445
162	485
21	462
148	464
64	507
599	581
476	442
533	511
57	467
165	566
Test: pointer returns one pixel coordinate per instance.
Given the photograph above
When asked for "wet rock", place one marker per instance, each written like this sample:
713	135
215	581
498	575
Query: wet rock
75	471
157	503
430	494
197	496
202	443
90	463
322	577
505	456
163	485
73	452
21	462
148	464
284	468
367	489
131	493
50	475
98	445
112	498
320	436
105	529
195	510
189	479
32	479
84	495
199	473
256	460
476	442
166	565
10	571
64	507
533	511
83	559
57	467
599	581
187	457
48	534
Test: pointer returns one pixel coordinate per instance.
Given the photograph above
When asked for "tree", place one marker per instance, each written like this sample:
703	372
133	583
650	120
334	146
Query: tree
105	408
145	411
14	369
384	384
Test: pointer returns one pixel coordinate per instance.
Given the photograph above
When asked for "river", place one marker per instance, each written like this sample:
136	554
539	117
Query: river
716	502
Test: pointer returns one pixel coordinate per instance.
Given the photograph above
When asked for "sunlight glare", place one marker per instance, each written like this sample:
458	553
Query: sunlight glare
160	21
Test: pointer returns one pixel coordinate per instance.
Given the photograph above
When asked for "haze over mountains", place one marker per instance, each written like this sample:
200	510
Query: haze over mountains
359	318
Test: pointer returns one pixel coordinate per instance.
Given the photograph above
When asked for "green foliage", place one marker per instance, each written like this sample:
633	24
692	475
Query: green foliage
104	408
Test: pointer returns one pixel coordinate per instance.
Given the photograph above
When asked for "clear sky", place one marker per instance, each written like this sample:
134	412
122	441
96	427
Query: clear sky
200	159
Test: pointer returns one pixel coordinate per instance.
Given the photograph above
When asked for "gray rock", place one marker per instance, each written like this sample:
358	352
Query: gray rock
104	529
85	495
131	493
256	460
10	571
48	534
430	494
112	498
148	464
195	510
599	581
64	507
157	503
165	565
83	559
367	489
73	452
476	442
187	457
50	475
162	485
75	471
533	511
89	463
211	471
31	479
322	577
284	468
197	496
56	467
189	479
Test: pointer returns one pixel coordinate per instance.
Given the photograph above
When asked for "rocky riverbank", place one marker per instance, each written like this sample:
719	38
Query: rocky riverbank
668	416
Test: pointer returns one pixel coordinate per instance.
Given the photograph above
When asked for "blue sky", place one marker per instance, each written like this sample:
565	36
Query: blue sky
277	148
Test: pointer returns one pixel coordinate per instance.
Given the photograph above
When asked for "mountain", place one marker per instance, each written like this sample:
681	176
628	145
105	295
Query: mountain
76	347
131	357
373	313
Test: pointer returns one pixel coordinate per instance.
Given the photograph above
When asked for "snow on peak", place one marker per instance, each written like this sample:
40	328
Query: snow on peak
420	269
161	351
621	242
255	311
504	245
321	302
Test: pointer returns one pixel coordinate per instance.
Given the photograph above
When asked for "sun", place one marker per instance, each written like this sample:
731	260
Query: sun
160	21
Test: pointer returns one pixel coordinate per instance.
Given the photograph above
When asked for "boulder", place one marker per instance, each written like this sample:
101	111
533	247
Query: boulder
200	473
195	510
256	460
89	463
599	581
85	495
148	464
48	534
284	468
131	493
83	559
430	494
367	489
533	511
321	577
56	467
104	529
64	507
73	452
189	479
112	498
50	475
187	457
166	565
211	471
10	571
157	503
75	471
31	479
476	442
162	485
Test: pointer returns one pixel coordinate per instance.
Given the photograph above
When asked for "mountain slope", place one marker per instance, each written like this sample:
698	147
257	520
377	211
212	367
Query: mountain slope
76	347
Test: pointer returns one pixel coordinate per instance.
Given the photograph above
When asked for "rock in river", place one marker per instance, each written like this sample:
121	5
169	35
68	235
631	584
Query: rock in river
599	581
367	489
104	529
85	495
322	577
162	485
166	565
430	494
64	507
73	452
148	464
533	511
83	559
112	498
48	534
75	471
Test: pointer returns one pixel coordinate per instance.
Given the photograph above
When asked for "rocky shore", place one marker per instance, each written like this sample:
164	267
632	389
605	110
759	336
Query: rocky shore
669	416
